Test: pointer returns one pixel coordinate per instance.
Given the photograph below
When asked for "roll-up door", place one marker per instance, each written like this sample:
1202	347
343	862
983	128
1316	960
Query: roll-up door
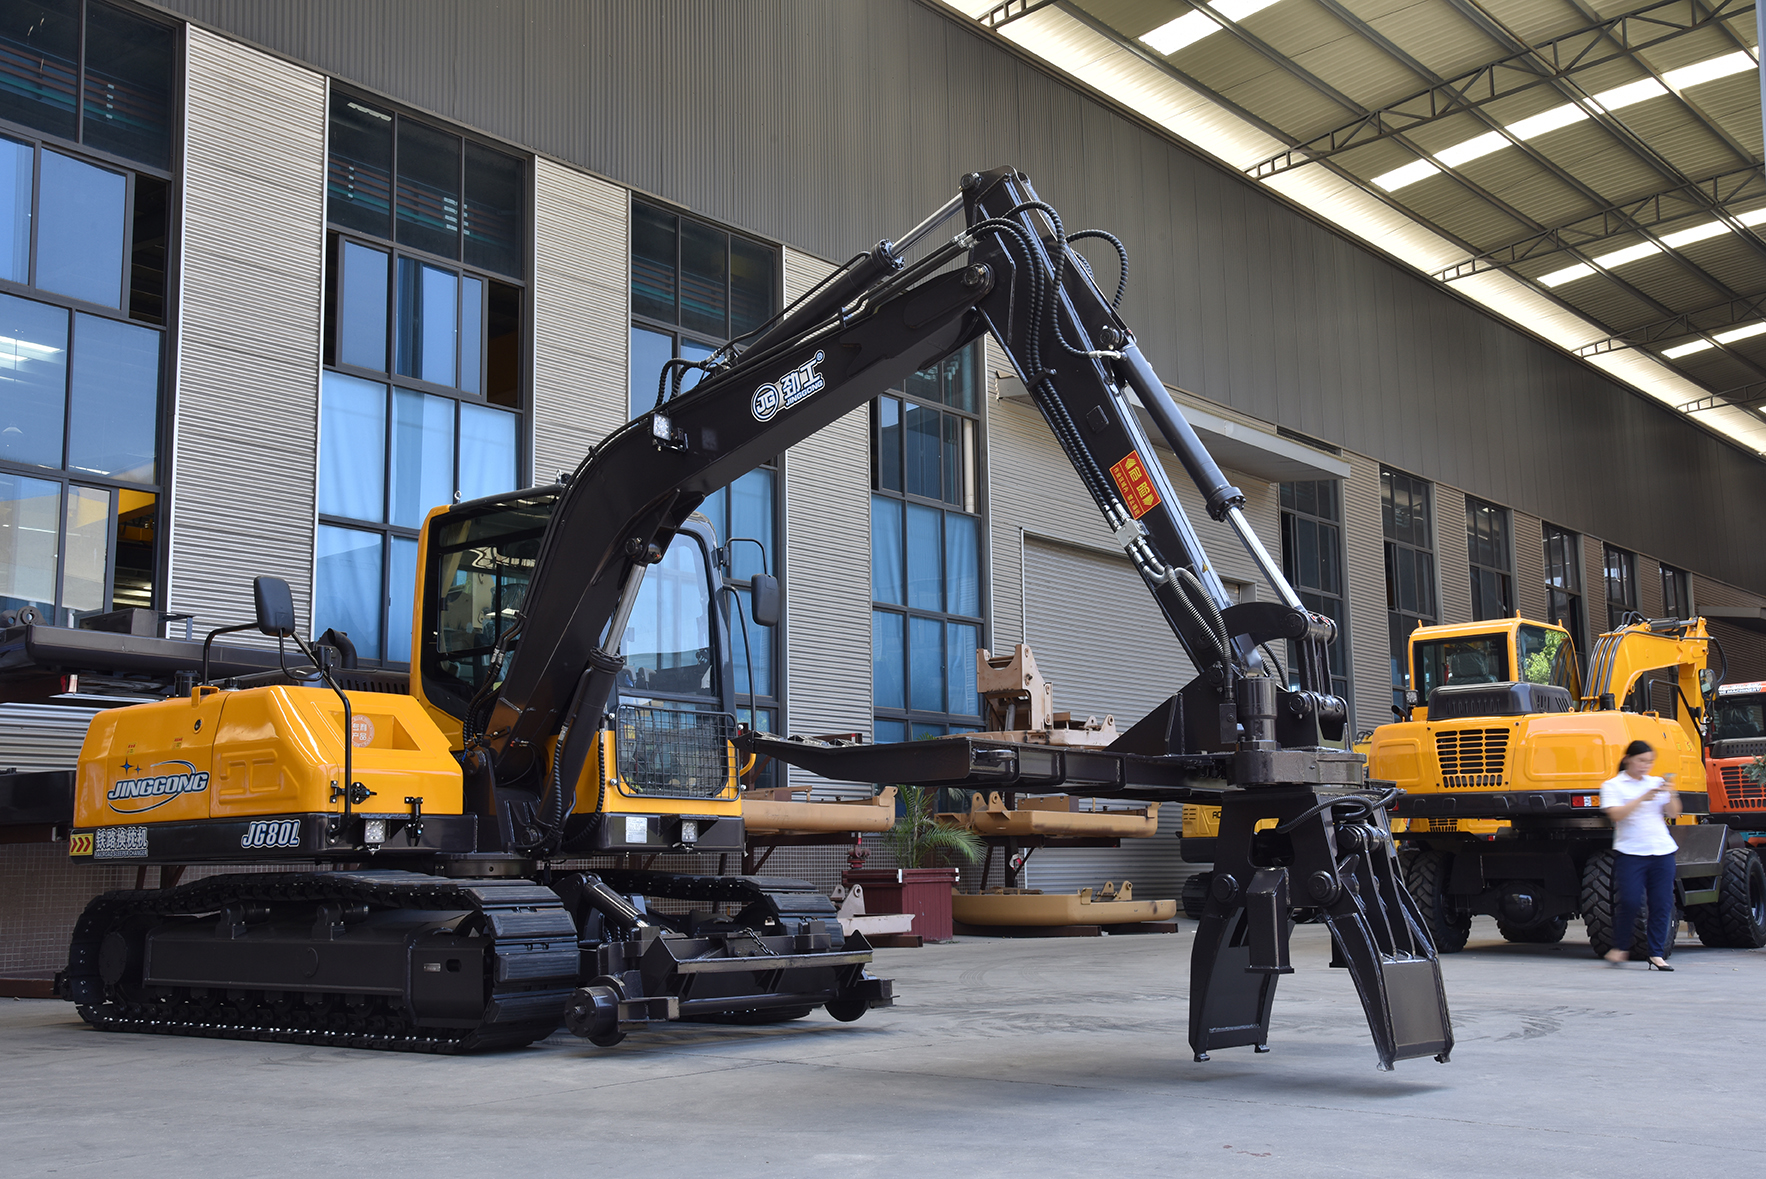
1100	639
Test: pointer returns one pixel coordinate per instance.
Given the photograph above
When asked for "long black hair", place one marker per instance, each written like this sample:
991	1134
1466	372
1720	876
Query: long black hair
1632	750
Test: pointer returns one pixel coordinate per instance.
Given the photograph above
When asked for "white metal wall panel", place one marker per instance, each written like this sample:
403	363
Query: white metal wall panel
38	737
827	566
245	432
1529	539
1364	554
1453	565
582	318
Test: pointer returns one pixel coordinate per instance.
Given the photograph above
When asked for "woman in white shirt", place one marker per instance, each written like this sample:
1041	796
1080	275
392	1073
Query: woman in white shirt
1643	851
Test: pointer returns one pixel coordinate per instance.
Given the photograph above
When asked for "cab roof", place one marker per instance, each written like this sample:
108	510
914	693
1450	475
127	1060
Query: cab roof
1490	626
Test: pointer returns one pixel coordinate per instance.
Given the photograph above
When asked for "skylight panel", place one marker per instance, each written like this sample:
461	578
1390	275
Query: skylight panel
1409	174
1558	278
1472	149
1192	26
1551	120
1709	71
1630	94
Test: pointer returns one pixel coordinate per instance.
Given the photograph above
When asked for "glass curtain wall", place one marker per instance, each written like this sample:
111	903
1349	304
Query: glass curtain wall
1405	516
1563	584
86	129
423	397
1492	563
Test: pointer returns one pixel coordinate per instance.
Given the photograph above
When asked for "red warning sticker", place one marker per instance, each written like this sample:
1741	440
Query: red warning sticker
1135	485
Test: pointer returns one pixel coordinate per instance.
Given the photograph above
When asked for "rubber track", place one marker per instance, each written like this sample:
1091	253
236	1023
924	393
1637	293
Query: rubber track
526	919
1730	921
1425	878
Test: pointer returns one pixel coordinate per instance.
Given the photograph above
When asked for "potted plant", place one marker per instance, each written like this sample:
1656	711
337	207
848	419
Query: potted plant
923	883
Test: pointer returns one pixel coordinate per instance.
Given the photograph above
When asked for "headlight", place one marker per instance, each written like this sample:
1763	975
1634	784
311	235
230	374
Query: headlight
689	831
374	831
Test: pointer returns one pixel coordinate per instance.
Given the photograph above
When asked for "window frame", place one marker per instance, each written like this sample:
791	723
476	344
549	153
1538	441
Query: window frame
1502	538
1575	595
1676	591
1397	618
1624	561
910	718
390	379
167	327
1341	683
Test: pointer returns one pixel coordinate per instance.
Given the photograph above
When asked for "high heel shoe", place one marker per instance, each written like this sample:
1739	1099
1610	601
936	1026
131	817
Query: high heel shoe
1660	964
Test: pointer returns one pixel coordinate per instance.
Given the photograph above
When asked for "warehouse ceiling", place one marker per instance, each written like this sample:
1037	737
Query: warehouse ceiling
1589	170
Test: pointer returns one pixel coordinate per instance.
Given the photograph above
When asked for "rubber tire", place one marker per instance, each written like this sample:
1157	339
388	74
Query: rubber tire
1195	894
1425	876
1738	919
847	1010
1598	903
1545	933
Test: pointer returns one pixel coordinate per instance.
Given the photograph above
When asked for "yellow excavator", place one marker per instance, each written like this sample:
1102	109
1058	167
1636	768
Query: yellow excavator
1502	758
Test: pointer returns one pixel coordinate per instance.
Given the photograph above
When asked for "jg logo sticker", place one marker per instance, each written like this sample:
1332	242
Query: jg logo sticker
788	390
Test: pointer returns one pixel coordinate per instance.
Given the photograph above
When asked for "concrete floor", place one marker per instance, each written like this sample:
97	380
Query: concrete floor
1023	1058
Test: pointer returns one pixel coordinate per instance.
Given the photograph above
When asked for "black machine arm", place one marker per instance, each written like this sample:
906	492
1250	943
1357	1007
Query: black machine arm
871	325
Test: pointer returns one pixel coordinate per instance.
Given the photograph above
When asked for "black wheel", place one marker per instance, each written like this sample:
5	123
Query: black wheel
1543	933
1195	894
1600	899
1425	876
847	1010
1738	918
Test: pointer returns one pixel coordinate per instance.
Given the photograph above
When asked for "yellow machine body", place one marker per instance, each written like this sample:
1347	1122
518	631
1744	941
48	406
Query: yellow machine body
258	751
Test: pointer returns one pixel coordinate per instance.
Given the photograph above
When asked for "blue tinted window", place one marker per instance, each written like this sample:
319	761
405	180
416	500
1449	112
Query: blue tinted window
347	595
650	351
962	641
429	322
962	564
923	730
925	664
30	519
361	312
925	583
422	455
352	448
922	455
886	543
401	588
751	514
42	48
487	451
890	731
761	638
113	413
428	196
888	444
888	660
692	351
471	334
33	381
80	230
16	171
128	85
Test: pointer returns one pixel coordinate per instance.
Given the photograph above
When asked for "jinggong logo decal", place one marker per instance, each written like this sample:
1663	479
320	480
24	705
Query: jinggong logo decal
156	789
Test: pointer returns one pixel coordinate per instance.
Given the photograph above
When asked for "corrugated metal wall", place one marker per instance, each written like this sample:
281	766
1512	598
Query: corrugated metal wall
1594	586
1364	544
827	566
1529	542
830	125
1453	565
247	404
581	317
1649	586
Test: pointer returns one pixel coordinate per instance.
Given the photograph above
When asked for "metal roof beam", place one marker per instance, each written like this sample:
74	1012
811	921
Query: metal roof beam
1538	65
1704	320
1740	397
1711	194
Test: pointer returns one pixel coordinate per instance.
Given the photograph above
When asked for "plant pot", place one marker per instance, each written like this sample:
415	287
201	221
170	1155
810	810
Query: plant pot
924	892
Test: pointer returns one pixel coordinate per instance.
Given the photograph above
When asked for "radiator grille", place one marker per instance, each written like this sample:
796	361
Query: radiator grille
1744	793
670	753
1472	758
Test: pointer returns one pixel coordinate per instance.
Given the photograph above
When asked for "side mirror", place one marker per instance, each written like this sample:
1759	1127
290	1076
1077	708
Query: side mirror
275	606
764	600
1707	681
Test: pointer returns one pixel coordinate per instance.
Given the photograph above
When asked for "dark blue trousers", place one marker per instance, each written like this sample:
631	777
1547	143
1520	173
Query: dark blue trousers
1633	876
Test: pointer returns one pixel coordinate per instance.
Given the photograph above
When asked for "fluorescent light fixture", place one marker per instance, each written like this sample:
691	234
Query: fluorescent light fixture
1192	26
1409	174
1708	71
1173	35
1551	120
1697	233
1629	94
1747	331
1471	149
1628	254
1568	274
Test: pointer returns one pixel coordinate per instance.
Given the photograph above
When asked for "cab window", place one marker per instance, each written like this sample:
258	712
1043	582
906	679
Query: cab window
483	565
1546	657
667	645
1478	659
1739	718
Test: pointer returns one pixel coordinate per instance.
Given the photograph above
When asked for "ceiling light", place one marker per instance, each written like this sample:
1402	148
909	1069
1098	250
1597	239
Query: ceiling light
1628	254
1679	350
1409	174
1698	233
1751	217
1706	71
1173	35
1551	120
1629	94
1471	149
1741	333
1567	274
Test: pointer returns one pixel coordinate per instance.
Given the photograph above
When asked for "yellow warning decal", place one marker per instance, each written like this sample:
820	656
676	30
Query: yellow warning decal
1135	485
79	843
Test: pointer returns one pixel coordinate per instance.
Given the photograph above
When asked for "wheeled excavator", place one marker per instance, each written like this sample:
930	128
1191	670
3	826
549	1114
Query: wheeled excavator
1502	760
553	714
